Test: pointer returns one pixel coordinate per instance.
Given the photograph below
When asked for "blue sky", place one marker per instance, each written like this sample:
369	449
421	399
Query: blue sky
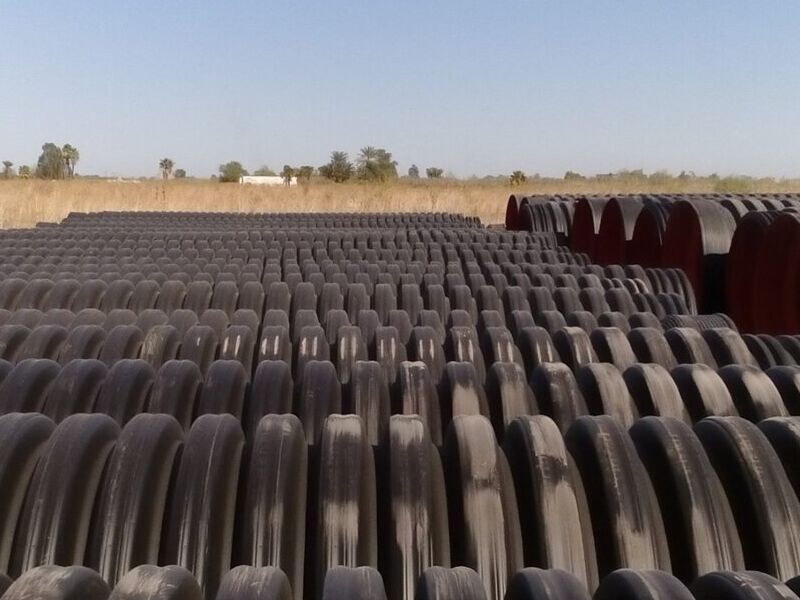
472	87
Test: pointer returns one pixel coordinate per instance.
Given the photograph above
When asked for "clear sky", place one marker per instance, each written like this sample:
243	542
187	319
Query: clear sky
472	87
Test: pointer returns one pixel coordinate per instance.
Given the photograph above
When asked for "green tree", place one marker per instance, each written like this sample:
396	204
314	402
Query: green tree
180	174
51	162
7	172
71	158
573	176
305	173
339	169
366	158
386	165
166	165
517	178
434	173
413	172
288	174
231	172
376	164
265	171
24	171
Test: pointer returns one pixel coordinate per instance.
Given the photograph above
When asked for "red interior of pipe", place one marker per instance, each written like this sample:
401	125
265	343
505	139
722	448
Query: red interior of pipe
793	285
512	214
742	265
645	245
773	293
610	241
526	218
584	227
683	245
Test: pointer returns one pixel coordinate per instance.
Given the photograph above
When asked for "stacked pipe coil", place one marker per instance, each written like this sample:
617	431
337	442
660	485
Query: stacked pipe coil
204	406
733	273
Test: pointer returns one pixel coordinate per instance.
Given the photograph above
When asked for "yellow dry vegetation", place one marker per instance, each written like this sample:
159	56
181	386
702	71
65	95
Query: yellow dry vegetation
23	203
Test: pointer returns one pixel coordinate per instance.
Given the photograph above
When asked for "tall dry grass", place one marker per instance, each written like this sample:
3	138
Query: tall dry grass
23	203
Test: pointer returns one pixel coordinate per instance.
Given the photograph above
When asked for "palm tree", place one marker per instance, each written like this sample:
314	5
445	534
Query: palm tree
71	158
376	164
339	168
368	154
166	165
7	164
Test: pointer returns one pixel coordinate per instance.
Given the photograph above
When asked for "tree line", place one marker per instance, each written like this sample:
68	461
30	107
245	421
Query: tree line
55	162
372	164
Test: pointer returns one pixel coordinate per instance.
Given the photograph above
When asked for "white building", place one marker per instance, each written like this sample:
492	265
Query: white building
266	180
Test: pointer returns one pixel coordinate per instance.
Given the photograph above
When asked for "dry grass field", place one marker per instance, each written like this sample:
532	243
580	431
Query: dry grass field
23	203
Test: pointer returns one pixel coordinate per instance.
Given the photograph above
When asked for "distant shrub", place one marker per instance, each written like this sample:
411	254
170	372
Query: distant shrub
231	172
434	173
517	178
